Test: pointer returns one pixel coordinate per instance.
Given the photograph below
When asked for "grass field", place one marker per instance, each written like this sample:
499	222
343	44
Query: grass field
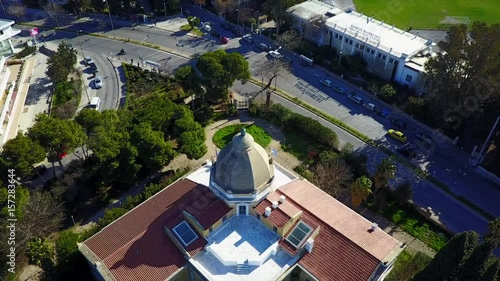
225	135
423	14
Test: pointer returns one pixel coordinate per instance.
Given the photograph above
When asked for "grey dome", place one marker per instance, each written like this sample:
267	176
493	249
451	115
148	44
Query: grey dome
243	166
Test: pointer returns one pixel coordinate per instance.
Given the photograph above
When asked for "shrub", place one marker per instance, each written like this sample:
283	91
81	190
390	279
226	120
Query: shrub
67	249
25	52
40	251
387	92
314	129
63	92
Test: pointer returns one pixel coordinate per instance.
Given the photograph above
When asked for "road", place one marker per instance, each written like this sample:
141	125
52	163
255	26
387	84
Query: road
447	164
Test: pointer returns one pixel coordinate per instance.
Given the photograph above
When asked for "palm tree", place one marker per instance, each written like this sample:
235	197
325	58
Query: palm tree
386	171
360	190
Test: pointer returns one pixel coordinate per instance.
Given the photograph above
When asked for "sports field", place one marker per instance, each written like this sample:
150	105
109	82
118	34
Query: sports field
422	14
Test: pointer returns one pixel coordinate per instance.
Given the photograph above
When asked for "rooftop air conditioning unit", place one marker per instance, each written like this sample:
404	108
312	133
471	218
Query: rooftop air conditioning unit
309	245
275	204
374	227
282	199
267	212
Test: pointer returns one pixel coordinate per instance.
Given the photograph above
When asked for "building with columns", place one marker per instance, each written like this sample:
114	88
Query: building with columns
242	217
6	34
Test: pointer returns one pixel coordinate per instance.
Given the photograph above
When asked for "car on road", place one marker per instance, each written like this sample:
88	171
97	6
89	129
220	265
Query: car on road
95	103
275	54
423	137
355	98
399	123
207	28
408	151
226	26
397	135
38	170
326	82
263	47
87	61
248	38
224	39
370	106
383	112
340	90
98	82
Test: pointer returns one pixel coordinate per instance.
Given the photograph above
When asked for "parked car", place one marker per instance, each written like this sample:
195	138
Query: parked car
207	28
275	54
383	112
370	106
98	82
87	61
38	170
397	135
326	82
93	67
224	39
226	26
399	123
263	47
95	103
408	151
248	38
355	98
340	90
423	138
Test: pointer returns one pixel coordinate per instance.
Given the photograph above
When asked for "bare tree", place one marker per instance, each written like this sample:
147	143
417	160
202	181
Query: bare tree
270	69
17	9
290	39
225	6
333	178
200	2
55	12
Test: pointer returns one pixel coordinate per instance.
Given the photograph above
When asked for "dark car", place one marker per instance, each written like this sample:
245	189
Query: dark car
226	26
383	112
408	151
38	170
423	138
399	123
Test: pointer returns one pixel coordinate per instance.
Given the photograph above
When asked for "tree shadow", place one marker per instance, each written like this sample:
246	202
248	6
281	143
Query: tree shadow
38	89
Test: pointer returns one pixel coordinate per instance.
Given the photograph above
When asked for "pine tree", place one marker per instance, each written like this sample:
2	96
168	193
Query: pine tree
493	271
475	265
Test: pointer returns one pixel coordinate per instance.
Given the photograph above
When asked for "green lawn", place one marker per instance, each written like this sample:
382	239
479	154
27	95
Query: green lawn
225	135
420	14
194	31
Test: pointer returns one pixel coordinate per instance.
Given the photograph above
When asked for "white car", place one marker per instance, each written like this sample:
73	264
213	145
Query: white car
87	60
248	38
95	103
98	82
340	90
326	82
370	106
208	28
275	54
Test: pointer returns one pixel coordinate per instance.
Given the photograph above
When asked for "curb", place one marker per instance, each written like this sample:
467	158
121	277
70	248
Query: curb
117	82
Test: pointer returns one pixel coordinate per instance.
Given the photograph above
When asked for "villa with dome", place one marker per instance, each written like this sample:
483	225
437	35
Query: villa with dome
242	217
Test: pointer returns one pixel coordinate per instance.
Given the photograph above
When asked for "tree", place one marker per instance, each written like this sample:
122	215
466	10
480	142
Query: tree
449	257
18	10
67	250
54	11
493	271
57	136
333	178
89	119
493	231
193	142
386	171
173	5
193	21
200	2
40	251
289	40
277	8
61	63
463	93
225	6
360	190
21	153
151	146
387	92
415	107
475	265
271	69
219	71
403	193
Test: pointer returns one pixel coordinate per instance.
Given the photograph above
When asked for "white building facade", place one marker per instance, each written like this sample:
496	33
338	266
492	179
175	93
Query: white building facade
390	53
6	33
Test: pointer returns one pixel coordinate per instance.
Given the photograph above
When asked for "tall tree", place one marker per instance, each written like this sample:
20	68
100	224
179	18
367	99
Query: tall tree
403	193
271	69
449	258
277	8
386	171
494	231
151	146
475	265
225	6
193	142
61	63
55	12
289	40
493	271
21	153
334	178
89	119
360	190
57	137
18	10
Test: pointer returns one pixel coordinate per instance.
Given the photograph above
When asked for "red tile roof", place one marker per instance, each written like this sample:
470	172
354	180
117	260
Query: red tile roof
277	217
136	244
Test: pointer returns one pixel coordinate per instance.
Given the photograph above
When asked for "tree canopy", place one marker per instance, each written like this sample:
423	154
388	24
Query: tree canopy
21	153
61	63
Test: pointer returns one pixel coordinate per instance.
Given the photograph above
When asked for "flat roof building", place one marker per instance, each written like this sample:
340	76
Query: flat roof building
204	227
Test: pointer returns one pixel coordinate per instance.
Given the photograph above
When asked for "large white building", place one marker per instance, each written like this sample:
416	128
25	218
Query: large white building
6	33
391	53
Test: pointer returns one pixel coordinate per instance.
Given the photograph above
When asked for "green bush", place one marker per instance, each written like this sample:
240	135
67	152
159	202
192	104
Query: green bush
223	136
25	52
63	93
387	92
40	251
406	266
314	129
67	249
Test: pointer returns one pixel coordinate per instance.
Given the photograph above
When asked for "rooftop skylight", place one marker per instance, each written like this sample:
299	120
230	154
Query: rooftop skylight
298	234
185	234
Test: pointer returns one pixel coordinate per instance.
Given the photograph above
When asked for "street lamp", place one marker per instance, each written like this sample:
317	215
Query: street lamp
165	7
110	19
238	14
340	56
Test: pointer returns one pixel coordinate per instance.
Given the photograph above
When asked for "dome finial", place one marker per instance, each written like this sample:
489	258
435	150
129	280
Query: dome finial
243	131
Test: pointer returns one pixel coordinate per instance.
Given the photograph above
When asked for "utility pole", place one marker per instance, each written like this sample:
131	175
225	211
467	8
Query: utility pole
165	7
238	14
110	19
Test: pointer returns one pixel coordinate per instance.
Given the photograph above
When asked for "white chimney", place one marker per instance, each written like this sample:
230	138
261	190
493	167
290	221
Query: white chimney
275	204
282	199
267	212
374	227
309	245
